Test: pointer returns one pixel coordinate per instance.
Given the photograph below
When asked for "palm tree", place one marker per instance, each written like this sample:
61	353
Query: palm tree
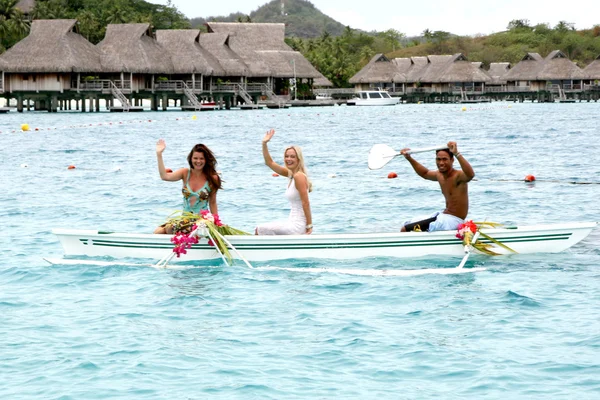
13	24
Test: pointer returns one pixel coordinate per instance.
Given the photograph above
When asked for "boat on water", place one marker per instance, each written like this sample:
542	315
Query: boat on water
376	97
323	96
520	239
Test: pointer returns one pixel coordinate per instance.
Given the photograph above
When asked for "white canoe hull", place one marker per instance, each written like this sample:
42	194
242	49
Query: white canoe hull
523	239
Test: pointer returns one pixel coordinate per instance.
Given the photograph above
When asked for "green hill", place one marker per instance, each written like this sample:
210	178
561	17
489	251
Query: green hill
301	17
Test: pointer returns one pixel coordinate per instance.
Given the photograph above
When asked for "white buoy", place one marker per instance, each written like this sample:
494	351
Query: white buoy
332	175
24	166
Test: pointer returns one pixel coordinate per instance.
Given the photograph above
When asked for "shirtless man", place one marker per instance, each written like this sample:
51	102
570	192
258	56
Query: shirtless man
454	185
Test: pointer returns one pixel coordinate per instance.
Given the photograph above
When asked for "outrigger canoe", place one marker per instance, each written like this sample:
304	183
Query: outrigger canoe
520	239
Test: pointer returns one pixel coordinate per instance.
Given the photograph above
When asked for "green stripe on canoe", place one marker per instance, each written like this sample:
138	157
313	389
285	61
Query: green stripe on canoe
307	246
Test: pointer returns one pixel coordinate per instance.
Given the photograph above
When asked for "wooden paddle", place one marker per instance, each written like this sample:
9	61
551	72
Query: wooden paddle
381	154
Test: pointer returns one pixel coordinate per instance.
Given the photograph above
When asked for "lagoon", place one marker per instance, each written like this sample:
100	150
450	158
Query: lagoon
527	327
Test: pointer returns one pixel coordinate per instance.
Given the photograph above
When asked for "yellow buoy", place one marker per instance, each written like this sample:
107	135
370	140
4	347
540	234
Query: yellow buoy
24	127
194	117
464	109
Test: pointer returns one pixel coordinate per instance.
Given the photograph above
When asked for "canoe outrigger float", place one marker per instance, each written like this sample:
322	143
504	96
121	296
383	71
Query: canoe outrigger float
519	239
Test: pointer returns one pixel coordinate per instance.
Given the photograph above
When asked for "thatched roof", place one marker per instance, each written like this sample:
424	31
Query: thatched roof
133	48
2	64
436	65
218	45
53	46
26	6
498	71
526	69
403	66
379	69
252	36
262	48
187	56
417	68
592	71
459	69
557	66
322	81
281	64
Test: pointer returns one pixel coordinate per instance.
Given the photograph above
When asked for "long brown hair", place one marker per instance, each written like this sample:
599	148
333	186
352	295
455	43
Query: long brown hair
210	165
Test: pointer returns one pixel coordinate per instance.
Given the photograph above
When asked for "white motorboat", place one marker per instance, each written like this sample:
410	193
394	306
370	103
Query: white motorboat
375	97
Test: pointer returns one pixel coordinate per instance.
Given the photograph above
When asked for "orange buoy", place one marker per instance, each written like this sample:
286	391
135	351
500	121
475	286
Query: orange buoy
275	174
169	170
71	166
392	175
529	178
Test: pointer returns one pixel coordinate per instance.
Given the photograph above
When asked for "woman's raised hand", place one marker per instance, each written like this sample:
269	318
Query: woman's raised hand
268	136
160	146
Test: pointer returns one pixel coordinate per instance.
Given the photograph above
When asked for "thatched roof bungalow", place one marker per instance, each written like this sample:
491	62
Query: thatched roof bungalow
416	70
187	55
48	56
559	70
133	49
263	49
191	62
592	72
498	73
460	72
218	45
524	73
536	72
380	71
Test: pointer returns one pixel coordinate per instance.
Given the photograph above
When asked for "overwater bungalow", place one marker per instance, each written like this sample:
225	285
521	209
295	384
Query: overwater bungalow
455	74
497	73
55	64
546	77
561	74
132	61
48	64
380	72
523	76
592	75
273	66
194	68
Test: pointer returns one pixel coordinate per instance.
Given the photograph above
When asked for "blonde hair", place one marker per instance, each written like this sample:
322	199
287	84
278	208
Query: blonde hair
301	166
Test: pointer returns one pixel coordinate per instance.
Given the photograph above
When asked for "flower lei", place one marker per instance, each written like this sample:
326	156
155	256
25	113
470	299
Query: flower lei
184	240
466	231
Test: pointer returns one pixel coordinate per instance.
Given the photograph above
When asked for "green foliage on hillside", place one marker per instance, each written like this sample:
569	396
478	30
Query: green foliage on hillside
581	46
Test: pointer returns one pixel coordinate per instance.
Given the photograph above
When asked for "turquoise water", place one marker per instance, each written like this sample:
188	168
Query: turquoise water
527	327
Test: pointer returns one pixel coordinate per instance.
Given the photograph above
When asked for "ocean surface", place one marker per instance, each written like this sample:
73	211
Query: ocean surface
527	327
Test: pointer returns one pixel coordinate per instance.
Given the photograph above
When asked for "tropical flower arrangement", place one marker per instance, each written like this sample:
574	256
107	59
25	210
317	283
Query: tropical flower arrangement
187	235
467	230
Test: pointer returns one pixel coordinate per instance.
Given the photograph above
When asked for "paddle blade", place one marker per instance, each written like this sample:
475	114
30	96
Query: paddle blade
380	155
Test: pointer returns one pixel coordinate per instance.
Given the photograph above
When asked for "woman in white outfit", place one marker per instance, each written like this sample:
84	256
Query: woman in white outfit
298	186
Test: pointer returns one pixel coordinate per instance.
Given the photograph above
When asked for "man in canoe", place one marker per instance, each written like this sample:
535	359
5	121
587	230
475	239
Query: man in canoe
454	185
